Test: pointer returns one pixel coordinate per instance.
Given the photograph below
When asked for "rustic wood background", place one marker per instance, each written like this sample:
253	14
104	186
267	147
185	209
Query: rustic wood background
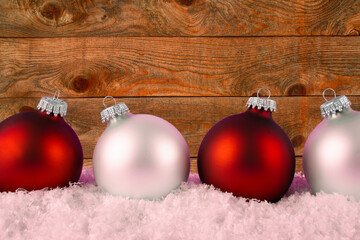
192	62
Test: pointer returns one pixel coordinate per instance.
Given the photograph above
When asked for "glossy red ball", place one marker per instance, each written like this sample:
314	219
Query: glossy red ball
249	155
37	151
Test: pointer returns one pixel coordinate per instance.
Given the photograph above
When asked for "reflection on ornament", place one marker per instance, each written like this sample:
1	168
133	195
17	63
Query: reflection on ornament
139	155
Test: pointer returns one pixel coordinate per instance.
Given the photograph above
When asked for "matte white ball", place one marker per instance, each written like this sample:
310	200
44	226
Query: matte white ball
331	158
140	156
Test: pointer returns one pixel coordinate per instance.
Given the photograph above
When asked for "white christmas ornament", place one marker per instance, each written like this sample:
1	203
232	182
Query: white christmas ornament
331	158
139	155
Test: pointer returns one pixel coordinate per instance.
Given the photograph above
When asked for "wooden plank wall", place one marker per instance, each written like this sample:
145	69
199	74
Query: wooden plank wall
192	62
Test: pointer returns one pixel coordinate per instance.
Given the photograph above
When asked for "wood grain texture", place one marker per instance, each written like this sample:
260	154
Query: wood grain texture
54	18
193	116
193	168
162	66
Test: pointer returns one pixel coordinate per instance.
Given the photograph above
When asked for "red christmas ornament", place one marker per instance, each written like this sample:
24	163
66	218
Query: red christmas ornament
248	154
39	149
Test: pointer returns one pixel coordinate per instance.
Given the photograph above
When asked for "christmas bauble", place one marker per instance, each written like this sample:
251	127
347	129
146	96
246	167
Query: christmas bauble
139	155
248	154
331	158
39	149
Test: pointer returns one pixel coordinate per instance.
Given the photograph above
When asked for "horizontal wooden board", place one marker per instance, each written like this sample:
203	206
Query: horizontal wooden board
193	116
193	168
161	66
49	18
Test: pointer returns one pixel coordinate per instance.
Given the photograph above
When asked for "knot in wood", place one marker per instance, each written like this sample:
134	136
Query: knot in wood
297	141
52	11
296	90
26	109
80	84
185	2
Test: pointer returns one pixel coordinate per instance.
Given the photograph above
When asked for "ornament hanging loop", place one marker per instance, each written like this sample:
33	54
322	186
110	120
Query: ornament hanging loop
261	103
58	94
118	109
106	98
323	94
257	94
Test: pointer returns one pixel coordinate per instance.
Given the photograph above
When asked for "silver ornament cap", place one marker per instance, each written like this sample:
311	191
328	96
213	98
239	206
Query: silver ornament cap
265	103
116	110
53	105
337	104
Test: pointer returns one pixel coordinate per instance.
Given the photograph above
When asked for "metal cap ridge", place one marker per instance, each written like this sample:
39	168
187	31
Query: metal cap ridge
111	112
337	104
53	105
265	103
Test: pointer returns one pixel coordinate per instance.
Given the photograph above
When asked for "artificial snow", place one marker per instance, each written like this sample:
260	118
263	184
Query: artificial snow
195	211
